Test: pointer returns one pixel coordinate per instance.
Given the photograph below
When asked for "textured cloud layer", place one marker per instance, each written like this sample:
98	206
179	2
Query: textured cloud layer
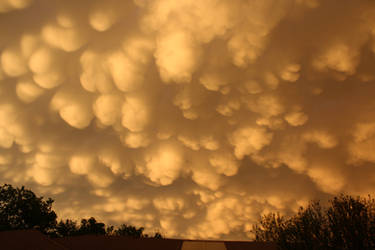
188	117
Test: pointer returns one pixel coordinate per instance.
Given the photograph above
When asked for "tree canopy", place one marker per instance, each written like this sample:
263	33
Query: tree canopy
20	208
71	228
128	230
347	223
90	226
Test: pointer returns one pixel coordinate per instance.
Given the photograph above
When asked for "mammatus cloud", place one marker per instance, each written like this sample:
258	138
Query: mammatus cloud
188	117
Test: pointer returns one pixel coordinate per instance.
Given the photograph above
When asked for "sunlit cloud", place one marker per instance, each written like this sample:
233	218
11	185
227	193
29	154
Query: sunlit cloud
188	117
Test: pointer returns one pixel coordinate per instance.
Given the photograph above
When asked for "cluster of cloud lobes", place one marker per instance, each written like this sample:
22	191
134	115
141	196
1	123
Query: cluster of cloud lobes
188	117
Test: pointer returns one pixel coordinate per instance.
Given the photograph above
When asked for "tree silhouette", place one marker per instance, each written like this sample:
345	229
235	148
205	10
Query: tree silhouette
91	226
66	228
20	208
347	223
131	231
158	235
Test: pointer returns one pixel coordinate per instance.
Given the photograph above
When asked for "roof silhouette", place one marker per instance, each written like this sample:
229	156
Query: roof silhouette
28	239
34	240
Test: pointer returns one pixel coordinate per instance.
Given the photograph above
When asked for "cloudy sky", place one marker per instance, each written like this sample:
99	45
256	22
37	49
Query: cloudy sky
188	117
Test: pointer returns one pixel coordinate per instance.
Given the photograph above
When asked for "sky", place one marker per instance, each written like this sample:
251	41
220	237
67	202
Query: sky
191	118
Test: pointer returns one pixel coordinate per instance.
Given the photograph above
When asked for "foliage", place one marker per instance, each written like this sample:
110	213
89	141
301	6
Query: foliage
109	230
66	228
91	226
158	236
87	227
69	228
347	223
20	208
131	231
127	230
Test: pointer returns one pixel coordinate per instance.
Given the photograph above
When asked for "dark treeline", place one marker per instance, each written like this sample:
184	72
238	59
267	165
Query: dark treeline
346	223
21	209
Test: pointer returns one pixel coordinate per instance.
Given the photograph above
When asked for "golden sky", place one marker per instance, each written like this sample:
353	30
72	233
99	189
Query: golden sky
188	117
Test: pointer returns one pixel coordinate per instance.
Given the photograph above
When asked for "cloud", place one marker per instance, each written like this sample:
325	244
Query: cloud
249	140
176	57
12	62
10	5
163	166
135	114
189	117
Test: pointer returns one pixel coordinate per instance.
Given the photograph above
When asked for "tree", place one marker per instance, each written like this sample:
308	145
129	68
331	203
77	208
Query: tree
66	229
353	222
348	223
20	208
158	235
127	230
91	226
109	230
70	228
